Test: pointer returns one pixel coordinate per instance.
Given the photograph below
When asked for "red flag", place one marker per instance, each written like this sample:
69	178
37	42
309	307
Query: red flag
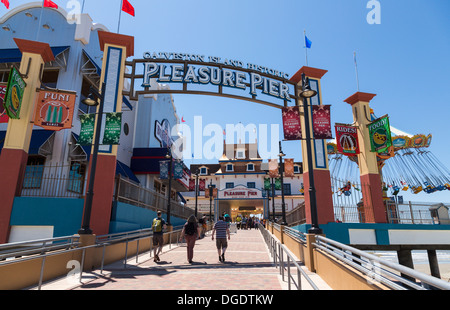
127	7
6	3
50	4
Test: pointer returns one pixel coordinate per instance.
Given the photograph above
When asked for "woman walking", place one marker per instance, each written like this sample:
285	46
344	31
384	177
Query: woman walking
190	232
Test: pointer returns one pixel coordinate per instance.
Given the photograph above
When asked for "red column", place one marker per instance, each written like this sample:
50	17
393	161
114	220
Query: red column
322	177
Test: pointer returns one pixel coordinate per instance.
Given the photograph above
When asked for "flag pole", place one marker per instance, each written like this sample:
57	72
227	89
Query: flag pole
120	16
306	49
82	7
356	69
40	19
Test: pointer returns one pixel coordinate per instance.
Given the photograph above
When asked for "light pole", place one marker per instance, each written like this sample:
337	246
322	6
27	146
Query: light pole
196	192
93	100
211	193
283	204
169	195
273	199
306	94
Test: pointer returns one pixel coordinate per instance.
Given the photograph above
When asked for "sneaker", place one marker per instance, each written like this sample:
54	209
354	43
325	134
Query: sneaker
220	258
223	257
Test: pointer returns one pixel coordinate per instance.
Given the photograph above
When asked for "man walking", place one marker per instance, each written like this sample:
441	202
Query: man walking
158	225
221	230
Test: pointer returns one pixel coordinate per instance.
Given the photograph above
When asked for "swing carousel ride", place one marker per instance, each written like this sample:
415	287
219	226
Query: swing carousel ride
408	165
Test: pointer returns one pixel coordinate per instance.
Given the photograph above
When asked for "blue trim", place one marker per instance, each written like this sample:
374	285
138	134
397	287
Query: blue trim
117	85
15	55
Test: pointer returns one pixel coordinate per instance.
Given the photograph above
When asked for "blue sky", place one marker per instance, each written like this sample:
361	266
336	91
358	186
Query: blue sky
404	60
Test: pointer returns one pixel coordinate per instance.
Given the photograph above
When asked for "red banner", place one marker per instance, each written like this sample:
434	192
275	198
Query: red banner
347	140
3	117
291	123
322	122
273	169
289	167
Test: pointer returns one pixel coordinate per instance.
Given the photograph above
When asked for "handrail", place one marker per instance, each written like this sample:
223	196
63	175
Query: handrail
278	252
372	266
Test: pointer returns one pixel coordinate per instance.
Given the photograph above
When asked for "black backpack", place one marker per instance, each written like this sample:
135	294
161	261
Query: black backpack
190	229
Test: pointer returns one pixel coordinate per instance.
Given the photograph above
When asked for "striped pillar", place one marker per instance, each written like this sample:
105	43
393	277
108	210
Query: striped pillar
371	187
14	156
322	178
116	49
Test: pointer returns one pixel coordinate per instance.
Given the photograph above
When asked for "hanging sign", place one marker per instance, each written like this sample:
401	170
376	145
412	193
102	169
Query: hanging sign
267	185
347	140
113	128
289	168
54	110
380	135
3	116
291	123
14	94
322	122
178	170
87	129
164	169
273	168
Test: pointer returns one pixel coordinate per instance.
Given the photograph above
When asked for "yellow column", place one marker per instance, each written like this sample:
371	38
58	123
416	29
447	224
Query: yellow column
14	156
371	187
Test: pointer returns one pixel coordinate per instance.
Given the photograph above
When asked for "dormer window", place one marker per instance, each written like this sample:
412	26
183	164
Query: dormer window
250	167
203	171
296	169
240	154
230	167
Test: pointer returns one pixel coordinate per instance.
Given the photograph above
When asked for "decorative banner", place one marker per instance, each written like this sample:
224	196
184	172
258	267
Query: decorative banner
278	184
191	185
380	135
14	94
178	170
347	140
87	129
164	170
289	168
113	128
322	122
267	185
215	192
54	110
291	123
201	185
273	169
3	116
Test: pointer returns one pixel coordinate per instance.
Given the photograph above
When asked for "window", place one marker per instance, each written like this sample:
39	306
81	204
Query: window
203	171
287	189
240	154
34	172
229	185
76	177
50	78
250	167
251	184
296	169
230	167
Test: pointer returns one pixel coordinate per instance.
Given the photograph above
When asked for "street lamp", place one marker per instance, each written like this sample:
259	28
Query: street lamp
169	195
93	100
283	204
273	199
308	93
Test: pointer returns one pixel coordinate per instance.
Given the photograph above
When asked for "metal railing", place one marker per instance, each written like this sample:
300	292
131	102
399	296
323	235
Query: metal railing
13	253
128	192
378	270
285	262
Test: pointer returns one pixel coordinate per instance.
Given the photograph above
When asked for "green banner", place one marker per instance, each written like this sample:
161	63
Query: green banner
87	129
14	94
278	184
113	128
380	135
267	185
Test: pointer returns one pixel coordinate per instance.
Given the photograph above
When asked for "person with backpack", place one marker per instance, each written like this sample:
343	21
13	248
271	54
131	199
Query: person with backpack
158	225
190	232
